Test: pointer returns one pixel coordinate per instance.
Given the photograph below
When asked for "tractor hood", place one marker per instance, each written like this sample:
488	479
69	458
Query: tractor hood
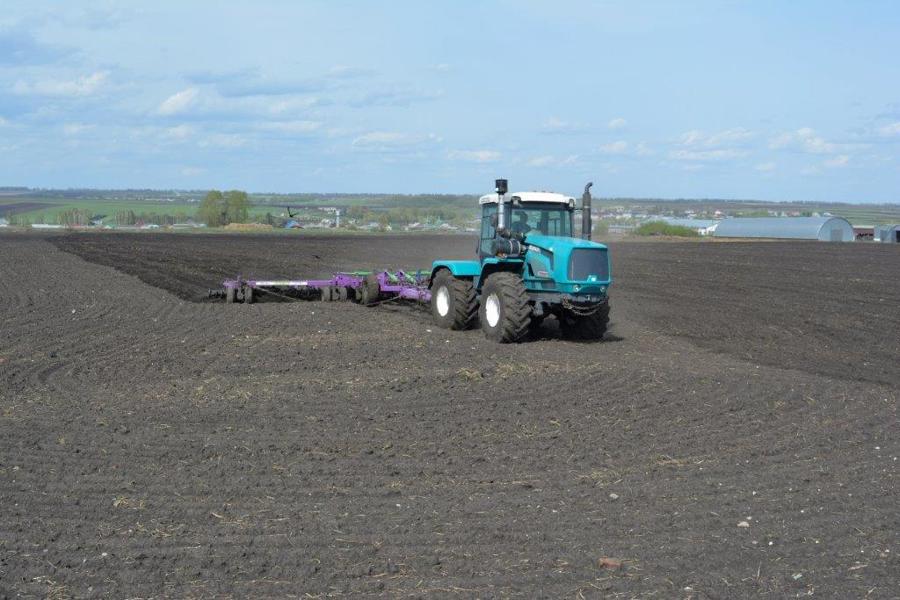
573	265
554	243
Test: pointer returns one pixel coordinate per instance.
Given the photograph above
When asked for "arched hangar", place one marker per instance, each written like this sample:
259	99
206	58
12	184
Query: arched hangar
826	229
887	233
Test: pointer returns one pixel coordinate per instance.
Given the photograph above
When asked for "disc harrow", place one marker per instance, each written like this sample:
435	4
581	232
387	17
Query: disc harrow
366	287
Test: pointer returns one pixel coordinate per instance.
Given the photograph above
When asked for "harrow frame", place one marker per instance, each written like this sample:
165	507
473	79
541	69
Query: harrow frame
392	285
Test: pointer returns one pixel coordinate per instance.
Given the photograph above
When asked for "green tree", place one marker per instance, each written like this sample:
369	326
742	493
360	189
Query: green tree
213	210
237	206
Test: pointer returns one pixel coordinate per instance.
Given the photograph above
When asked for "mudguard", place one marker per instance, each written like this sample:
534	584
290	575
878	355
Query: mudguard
459	268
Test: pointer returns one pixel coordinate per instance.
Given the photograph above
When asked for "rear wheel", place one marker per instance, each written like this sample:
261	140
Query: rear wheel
454	304
505	312
585	327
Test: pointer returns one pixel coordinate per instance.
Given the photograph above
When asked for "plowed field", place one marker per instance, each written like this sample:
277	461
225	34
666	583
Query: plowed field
735	435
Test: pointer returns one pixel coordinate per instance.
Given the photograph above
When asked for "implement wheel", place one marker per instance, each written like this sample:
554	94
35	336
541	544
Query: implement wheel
454	304
370	291
585	327
248	294
505	312
326	294
229	295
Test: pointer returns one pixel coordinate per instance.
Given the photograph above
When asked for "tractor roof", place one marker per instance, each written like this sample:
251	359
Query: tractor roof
530	197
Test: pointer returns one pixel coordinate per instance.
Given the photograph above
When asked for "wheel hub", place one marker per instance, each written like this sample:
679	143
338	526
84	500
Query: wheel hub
442	301
492	310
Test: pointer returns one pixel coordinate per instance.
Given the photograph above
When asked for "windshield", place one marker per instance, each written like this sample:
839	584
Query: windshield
546	219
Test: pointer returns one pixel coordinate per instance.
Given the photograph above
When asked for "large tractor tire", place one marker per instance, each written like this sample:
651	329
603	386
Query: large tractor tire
454	304
370	291
505	312
585	327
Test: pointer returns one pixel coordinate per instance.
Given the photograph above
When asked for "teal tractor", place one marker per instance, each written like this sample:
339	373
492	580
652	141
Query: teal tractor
530	265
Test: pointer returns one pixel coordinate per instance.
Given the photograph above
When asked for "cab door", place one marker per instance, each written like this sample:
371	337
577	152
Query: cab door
487	230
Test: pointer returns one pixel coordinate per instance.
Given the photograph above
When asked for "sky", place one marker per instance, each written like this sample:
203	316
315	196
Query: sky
762	99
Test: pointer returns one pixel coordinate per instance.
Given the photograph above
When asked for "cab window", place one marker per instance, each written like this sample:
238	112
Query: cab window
487	229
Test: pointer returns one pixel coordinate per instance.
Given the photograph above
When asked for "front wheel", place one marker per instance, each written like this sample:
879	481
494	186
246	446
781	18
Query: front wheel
505	311
453	301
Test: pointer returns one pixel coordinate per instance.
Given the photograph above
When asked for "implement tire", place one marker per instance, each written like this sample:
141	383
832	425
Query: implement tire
326	294
248	294
370	291
454	304
587	327
505	312
229	295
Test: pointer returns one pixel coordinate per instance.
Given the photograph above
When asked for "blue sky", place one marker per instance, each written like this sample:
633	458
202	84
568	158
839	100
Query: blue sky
762	99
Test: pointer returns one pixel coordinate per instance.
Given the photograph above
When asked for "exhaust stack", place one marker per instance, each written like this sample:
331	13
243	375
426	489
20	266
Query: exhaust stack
586	212
501	187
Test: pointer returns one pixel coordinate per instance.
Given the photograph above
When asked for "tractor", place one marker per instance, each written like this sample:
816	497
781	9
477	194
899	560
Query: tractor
530	265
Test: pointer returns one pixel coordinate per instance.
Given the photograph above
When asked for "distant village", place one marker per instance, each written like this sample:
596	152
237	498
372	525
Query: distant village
458	215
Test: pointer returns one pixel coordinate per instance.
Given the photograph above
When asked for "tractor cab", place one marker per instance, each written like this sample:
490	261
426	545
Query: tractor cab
527	213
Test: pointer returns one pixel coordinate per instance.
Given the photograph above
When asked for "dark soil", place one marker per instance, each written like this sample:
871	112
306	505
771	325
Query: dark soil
154	444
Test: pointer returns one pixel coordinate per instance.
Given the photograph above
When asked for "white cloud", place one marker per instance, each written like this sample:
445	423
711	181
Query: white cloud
618	123
804	139
347	72
3	122
837	162
292	104
766	167
541	161
178	102
557	125
728	137
623	148
641	149
552	161
224	140
72	129
619	147
392	140
192	171
554	124
293	126
82	86
706	155
181	132
890	130
479	156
